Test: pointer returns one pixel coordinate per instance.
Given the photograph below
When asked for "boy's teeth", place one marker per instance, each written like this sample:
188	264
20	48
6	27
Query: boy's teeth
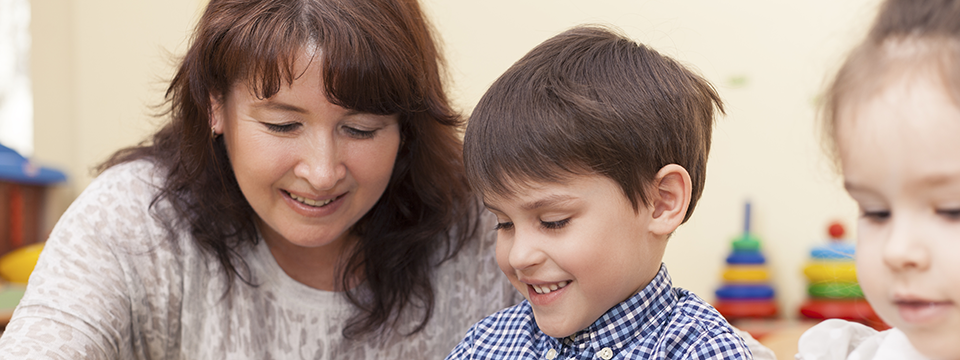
548	288
310	202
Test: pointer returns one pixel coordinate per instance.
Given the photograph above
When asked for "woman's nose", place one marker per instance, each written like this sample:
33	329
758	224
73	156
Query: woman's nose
320	164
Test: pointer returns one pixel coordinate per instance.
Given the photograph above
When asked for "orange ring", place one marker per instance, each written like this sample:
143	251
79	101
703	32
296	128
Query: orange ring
732	309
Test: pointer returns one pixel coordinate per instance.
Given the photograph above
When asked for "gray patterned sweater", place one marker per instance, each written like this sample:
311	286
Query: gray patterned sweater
113	283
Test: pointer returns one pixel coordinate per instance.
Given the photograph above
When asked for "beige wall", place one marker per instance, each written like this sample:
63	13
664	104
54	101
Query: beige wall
98	66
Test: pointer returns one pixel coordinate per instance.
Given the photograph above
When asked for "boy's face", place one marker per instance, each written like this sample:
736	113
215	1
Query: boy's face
581	241
900	152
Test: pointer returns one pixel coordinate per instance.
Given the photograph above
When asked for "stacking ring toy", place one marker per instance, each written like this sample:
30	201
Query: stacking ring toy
746	308
17	265
745	257
738	292
827	271
835	290
834	251
746	274
847	309
746	243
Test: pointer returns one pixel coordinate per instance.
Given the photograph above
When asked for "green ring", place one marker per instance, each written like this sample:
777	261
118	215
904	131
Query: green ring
746	243
835	290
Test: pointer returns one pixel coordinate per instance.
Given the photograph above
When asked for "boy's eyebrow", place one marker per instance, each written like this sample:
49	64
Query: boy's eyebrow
539	203
548	200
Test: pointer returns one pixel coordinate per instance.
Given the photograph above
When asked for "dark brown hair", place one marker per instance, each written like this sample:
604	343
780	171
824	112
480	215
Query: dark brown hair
931	30
591	101
378	56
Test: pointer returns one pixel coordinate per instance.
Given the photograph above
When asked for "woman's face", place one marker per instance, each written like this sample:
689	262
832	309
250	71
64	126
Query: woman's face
310	169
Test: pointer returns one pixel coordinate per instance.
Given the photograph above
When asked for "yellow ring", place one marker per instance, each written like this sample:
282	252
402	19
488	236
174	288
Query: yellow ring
746	274
825	271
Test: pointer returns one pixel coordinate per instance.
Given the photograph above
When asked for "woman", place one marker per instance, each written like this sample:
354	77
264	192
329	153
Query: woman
306	200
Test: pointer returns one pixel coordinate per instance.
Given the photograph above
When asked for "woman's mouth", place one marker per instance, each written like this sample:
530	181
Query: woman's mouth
309	202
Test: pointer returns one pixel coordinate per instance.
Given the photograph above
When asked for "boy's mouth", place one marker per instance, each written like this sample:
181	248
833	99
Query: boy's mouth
547	288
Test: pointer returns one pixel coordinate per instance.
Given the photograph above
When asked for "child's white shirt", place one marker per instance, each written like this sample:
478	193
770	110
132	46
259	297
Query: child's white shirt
836	339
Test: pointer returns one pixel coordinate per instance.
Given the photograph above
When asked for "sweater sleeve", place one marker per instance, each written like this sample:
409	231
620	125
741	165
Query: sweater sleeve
82	296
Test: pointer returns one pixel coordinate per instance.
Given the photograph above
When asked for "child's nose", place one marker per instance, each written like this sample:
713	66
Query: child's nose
526	252
905	248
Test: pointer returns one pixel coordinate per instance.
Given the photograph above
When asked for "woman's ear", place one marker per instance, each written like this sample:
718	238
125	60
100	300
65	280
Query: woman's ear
670	199
216	114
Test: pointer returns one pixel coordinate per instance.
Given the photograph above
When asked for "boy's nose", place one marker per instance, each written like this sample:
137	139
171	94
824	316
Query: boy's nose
525	252
320	164
905	248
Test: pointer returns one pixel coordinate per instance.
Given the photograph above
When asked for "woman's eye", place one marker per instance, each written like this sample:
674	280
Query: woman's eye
282	128
952	214
553	225
359	134
504	226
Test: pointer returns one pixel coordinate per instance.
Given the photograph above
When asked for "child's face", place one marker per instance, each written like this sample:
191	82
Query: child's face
582	240
900	152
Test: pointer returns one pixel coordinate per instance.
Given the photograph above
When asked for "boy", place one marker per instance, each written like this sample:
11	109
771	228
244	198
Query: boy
591	150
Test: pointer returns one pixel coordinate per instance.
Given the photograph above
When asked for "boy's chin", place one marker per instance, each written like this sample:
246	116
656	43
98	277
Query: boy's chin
557	332
560	327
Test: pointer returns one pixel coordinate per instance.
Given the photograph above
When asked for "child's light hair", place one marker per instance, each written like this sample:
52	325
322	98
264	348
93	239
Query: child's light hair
591	101
909	38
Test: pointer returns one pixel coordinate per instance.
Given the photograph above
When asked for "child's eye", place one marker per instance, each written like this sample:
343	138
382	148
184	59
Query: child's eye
876	215
553	225
359	134
952	214
282	128
504	226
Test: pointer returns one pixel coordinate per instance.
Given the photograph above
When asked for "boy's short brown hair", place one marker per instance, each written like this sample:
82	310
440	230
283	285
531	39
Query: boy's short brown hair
591	101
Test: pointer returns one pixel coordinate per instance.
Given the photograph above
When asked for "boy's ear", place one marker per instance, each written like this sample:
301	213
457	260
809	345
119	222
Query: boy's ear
670	199
216	113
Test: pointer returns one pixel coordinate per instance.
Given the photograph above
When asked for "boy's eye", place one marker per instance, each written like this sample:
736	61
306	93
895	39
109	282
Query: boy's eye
282	128
554	225
952	214
504	226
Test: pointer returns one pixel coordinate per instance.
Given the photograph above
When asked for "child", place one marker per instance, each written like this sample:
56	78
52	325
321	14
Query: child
591	150
893	121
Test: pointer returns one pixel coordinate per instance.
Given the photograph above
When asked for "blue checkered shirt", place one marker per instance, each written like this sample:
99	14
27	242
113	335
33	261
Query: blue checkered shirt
659	322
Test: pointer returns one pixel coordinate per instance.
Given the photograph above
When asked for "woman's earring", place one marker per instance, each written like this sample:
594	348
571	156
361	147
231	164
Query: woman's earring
213	132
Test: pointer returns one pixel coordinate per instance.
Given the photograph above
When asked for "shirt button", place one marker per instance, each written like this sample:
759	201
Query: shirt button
605	353
551	354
